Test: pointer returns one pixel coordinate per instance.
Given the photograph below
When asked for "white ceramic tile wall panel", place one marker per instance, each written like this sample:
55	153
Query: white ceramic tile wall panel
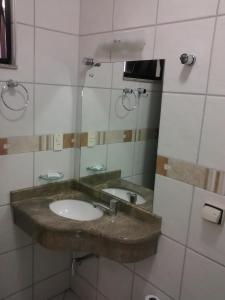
24	56
138	44
24	295
55	109
18	123
216	78
133	13
48	262
120	118
15	271
89	270
14	175
24	11
56	57
96	16
92	156
203	279
96	46
82	288
149	110
165	268
95	109
172	40
96	76
54	14
176	10
144	157
115	281
51	287
172	201
212	142
143	288
11	236
204	237
62	161
180	126
120	157
222	7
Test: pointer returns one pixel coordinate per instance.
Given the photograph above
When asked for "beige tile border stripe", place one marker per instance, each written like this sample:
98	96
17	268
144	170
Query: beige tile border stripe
208	179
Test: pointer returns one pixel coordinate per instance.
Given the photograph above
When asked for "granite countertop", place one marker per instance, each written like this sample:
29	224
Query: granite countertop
129	236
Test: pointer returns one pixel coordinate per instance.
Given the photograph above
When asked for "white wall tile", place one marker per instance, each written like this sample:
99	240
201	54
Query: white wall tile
15	271
55	109
25	11
171	42
180	126
120	157
213	143
95	46
216	78
172	201
132	44
24	56
203	279
120	118
115	281
54	14
51	287
132	13
62	161
175	10
24	295
96	16
95	109
222	7
82	288
11	236
91	157
205	237
14	175
56	57
17	123
165	268
96	76
142	288
49	262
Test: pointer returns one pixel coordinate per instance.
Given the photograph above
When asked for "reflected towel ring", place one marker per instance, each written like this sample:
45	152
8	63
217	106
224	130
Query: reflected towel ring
125	95
13	84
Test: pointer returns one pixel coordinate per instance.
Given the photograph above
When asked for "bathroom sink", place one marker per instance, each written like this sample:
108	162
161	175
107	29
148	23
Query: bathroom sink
75	210
123	194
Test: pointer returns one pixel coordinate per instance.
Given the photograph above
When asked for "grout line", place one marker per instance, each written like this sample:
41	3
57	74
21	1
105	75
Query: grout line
16	249
57	31
16	293
148	25
207	86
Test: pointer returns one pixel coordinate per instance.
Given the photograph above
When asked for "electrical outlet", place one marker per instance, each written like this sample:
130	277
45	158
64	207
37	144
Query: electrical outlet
58	142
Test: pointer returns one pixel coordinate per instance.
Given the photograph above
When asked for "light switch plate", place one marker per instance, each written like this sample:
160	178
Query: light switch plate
58	142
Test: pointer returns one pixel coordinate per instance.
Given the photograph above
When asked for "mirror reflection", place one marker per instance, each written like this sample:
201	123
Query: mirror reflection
121	104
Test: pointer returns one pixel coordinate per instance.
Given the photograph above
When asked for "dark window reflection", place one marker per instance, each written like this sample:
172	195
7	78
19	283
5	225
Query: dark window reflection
5	32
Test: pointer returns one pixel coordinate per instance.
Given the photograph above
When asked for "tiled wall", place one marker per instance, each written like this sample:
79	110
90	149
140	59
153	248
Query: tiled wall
190	263
102	112
47	59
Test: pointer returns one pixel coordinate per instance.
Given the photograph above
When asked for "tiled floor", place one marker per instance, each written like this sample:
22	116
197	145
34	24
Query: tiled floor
68	296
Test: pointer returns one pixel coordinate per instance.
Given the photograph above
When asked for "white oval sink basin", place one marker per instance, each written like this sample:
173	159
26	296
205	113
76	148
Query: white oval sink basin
75	210
123	194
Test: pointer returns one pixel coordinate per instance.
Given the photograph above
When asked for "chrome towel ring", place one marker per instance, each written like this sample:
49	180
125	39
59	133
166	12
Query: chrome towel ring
125	94
13	84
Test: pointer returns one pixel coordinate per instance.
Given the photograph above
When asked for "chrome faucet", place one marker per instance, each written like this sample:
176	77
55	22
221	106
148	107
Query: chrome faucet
111	210
132	197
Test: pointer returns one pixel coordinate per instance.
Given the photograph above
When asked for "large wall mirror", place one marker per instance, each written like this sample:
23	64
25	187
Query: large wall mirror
5	33
121	105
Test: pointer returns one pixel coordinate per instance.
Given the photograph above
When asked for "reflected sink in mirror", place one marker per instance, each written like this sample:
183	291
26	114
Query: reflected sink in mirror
75	210
124	195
